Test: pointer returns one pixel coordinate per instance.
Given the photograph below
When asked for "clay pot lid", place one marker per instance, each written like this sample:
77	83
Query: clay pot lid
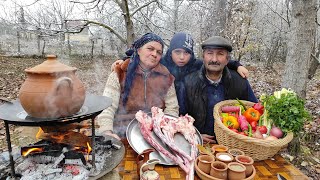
51	65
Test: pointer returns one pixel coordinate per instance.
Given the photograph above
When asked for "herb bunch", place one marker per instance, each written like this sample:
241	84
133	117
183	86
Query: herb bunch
286	110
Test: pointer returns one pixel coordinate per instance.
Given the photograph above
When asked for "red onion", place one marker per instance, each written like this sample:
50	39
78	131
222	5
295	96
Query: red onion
275	131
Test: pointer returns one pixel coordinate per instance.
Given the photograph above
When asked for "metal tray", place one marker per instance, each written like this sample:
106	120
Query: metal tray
138	143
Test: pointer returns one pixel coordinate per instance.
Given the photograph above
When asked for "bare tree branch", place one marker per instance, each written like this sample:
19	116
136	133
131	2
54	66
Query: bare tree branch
286	20
84	2
87	22
143	6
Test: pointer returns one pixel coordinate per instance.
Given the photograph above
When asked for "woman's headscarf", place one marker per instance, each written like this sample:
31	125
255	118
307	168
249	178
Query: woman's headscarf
135	59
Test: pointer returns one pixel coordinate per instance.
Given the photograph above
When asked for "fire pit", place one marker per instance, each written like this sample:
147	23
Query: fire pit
64	152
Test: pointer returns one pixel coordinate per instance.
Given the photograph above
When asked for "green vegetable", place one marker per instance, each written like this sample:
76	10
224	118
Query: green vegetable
265	121
286	110
249	130
243	105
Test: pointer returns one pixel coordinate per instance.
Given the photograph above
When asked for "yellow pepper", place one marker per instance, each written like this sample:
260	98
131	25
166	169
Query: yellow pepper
230	122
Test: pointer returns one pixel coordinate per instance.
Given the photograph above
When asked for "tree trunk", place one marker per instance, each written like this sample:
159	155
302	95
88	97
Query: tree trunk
92	48
219	17
300	46
175	15
39	44
19	45
43	47
313	67
128	22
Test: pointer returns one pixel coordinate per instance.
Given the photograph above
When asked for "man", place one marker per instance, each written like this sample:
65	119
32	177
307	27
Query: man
214	82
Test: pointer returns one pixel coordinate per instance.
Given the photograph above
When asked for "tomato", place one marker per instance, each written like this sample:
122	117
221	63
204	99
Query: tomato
263	129
254	125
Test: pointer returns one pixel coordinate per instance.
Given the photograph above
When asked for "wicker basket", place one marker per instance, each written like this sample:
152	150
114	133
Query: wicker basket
258	149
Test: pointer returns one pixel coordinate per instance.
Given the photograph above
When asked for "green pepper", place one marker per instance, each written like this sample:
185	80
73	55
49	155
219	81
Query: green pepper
249	130
241	103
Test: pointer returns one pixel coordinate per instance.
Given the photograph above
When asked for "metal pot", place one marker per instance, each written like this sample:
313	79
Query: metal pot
51	90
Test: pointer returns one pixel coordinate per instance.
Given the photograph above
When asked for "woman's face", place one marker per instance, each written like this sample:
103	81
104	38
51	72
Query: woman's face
150	54
180	57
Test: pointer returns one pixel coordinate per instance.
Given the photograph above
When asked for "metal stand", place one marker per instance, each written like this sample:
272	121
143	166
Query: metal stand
8	138
13	173
93	141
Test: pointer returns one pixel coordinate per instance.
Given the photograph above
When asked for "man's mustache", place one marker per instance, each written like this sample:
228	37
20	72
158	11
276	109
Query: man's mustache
213	63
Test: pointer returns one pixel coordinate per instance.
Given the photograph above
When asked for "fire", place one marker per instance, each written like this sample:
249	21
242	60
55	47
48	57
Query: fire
89	150
25	153
39	133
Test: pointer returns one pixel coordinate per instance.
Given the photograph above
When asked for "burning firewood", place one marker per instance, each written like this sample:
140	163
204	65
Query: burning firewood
77	140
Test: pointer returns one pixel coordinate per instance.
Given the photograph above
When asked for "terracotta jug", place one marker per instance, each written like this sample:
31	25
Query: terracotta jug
150	173
51	90
143	158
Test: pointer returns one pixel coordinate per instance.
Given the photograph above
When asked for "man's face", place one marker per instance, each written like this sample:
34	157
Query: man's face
180	57
215	59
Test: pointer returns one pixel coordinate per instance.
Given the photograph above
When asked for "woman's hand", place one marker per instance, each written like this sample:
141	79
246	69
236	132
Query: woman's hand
119	61
208	139
243	71
110	133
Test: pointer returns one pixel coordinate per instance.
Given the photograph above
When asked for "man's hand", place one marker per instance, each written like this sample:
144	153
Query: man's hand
119	61
110	133
208	139
243	71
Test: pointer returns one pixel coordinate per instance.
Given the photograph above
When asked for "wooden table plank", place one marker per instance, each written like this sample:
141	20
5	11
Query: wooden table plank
266	170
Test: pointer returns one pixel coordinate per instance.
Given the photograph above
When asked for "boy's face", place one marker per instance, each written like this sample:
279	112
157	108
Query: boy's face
215	59
180	57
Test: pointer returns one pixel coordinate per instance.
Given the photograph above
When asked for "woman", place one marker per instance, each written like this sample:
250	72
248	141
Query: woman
138	84
180	61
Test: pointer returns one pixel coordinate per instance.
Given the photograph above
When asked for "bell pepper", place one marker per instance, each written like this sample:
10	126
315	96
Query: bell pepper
251	115
259	107
230	122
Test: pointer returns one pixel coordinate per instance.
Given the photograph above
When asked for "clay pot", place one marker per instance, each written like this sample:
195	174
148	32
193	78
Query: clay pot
236	171
219	148
51	90
219	170
235	152
224	157
247	161
204	163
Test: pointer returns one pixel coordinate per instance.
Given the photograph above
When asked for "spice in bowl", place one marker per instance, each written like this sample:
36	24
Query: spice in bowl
235	152
224	157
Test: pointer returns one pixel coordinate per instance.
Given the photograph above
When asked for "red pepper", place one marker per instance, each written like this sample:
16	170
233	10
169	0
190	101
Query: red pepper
258	106
251	115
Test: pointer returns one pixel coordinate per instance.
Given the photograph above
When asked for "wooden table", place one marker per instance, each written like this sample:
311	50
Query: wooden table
266	170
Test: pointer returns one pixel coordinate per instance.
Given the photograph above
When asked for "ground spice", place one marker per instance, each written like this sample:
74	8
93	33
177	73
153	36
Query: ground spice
225	157
245	160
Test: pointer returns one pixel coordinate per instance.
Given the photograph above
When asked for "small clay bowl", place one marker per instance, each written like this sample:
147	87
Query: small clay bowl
235	152
219	148
236	171
224	157
247	161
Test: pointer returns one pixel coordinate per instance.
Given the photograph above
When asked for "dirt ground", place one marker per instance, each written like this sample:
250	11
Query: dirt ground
94	73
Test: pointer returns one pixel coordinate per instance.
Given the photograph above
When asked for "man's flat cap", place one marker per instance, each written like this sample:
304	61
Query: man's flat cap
217	42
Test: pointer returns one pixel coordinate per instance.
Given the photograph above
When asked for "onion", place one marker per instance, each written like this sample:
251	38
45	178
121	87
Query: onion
257	134
271	138
275	131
